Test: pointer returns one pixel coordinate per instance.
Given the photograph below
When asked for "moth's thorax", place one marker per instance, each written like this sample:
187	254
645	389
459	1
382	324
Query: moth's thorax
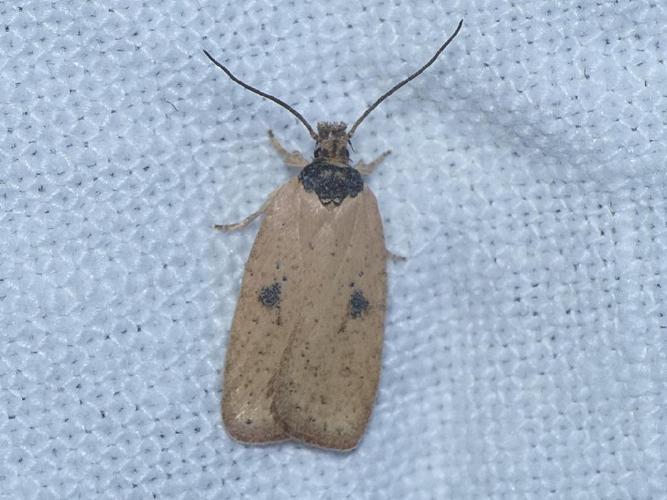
331	183
332	143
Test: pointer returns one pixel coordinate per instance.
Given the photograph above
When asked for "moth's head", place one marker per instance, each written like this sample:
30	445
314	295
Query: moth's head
331	143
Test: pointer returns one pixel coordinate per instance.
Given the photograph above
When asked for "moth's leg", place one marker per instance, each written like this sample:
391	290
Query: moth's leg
294	159
394	256
367	168
240	225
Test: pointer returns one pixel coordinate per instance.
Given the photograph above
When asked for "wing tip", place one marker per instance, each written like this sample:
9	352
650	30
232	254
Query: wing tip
246	429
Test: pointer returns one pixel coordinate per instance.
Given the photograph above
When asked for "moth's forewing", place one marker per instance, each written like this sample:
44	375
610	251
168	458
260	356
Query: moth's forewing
268	309
326	385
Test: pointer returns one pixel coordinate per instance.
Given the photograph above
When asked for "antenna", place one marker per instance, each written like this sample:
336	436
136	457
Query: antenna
264	94
400	84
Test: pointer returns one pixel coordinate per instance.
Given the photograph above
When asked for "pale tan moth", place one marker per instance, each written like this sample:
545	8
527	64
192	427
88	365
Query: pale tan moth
304	353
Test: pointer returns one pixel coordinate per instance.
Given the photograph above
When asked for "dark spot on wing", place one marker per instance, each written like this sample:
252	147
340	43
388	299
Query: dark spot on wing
270	295
358	304
331	183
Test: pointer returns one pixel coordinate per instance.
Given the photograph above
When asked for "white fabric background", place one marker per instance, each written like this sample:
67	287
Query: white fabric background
525	352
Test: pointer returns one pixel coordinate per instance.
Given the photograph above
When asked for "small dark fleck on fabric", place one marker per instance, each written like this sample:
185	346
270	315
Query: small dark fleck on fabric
270	295
358	304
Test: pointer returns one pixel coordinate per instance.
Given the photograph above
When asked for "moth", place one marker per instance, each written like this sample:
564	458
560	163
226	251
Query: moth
304	353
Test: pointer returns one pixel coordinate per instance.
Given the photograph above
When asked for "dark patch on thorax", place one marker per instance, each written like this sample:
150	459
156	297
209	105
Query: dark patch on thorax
270	295
331	183
358	304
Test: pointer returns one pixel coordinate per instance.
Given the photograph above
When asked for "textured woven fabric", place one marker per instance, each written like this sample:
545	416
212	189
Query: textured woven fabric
525	352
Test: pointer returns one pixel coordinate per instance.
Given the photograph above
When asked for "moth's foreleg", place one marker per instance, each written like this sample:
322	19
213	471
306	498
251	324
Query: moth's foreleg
292	159
368	168
240	225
